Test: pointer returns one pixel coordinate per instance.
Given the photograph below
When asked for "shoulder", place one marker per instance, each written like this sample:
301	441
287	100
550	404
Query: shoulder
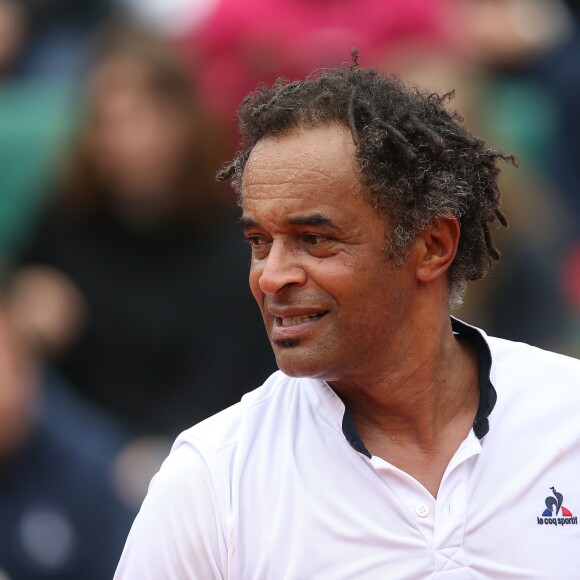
516	360
206	457
535	387
203	455
530	381
181	529
222	431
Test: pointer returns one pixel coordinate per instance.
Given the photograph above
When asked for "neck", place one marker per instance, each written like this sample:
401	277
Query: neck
428	392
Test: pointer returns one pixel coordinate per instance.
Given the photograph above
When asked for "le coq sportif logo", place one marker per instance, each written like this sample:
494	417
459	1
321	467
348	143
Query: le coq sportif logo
556	514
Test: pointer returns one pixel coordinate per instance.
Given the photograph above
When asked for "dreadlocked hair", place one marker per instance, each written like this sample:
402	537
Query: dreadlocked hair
416	158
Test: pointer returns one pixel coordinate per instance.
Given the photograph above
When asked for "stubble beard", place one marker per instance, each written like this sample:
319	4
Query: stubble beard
286	342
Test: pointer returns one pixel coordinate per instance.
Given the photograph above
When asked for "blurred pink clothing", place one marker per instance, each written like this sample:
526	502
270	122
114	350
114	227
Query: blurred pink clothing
249	41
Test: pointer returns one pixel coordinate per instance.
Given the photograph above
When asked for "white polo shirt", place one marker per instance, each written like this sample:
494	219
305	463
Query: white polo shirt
280	486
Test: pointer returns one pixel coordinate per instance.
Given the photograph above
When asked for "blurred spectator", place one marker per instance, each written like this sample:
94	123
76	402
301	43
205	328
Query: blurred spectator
528	52
59	514
168	17
56	35
43	51
508	33
135	281
35	119
13	32
243	43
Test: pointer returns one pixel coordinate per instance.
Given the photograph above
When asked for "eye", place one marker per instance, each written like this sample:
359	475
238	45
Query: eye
255	240
260	245
314	239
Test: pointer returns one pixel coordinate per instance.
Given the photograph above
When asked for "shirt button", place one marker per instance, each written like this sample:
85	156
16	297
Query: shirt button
422	510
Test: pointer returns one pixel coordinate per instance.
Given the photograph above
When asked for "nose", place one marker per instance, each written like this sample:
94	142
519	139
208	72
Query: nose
281	268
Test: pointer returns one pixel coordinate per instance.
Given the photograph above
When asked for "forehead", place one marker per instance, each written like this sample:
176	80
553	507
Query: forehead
313	161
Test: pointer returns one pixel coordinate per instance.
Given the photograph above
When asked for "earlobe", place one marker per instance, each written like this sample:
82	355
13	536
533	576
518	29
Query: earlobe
438	246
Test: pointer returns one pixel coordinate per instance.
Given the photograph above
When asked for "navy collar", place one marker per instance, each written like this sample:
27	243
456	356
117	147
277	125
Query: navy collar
487	393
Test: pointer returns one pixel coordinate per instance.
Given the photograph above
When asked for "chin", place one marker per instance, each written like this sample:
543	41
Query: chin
296	363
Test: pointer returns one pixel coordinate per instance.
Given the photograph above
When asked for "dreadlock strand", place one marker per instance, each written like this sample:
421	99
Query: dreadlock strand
501	217
260	109
491	249
225	173
351	119
465	139
404	145
354	54
436	139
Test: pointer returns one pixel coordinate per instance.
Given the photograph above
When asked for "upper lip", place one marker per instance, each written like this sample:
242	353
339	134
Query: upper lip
294	312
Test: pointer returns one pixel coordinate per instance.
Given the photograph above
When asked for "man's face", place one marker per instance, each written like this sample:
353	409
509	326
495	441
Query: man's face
332	303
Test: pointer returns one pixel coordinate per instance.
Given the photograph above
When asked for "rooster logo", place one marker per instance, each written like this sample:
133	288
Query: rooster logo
554	505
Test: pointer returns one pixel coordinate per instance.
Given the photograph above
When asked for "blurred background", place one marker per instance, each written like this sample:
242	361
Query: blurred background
125	315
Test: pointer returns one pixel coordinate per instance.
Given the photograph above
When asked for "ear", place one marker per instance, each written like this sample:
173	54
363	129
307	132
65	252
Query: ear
437	246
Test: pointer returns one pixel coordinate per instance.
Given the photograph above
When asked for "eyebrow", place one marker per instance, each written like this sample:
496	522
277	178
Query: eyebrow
316	219
247	223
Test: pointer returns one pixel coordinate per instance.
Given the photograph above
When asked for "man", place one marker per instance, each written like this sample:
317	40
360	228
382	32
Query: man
394	442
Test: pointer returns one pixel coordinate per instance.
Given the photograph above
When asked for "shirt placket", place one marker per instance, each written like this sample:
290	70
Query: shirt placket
415	500
441	521
451	510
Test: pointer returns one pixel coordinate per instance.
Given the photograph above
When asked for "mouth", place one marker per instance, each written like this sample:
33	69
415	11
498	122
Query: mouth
296	320
294	327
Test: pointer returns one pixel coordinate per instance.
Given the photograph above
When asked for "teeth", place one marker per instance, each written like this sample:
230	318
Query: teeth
298	320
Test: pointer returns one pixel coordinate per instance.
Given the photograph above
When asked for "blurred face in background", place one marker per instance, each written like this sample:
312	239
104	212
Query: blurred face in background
12	32
508	32
17	390
140	137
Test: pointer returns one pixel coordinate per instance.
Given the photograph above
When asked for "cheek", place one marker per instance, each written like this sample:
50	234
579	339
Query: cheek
349	280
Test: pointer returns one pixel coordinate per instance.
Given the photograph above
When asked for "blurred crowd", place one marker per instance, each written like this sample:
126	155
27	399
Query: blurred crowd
125	315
